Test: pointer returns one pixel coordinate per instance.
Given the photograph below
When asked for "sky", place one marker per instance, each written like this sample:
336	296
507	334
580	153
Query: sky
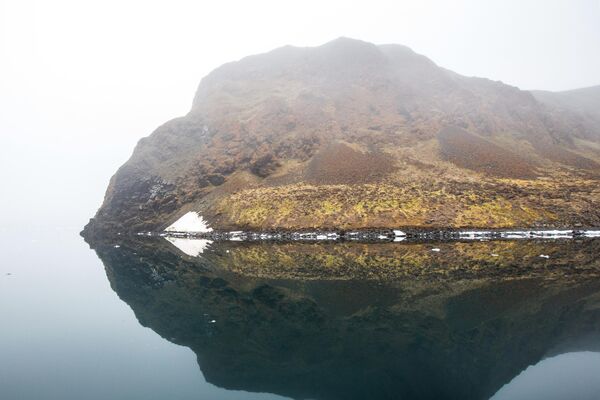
82	81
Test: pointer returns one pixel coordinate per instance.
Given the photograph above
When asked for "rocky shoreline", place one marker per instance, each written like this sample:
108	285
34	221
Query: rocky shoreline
383	235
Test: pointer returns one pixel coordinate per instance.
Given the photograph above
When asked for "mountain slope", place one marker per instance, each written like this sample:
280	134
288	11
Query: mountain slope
581	106
584	101
354	135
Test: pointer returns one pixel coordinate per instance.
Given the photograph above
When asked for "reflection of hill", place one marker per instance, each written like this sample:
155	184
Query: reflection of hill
454	260
417	338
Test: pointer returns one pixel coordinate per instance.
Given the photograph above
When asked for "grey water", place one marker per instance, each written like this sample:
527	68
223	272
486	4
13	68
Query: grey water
65	334
140	319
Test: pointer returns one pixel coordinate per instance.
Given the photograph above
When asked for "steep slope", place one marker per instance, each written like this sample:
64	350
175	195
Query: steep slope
354	135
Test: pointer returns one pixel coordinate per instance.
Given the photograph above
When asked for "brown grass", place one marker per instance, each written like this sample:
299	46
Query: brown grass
559	154
477	154
338	163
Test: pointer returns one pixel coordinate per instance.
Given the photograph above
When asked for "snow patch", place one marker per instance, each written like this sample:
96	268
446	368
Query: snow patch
549	234
398	233
554	234
514	235
190	222
191	247
474	234
235	236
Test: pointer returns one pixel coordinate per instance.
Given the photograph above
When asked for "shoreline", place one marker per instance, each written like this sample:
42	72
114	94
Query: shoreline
382	235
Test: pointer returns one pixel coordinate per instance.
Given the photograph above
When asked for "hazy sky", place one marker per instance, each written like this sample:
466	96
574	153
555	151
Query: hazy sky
82	81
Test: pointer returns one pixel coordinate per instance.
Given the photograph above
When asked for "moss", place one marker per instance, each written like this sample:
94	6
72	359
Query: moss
254	214
409	260
501	213
301	206
496	213
360	209
284	209
328	208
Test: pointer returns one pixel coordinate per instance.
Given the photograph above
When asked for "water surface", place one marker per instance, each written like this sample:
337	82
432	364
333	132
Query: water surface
138	318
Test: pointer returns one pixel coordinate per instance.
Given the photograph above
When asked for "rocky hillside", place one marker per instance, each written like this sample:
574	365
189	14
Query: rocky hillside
353	135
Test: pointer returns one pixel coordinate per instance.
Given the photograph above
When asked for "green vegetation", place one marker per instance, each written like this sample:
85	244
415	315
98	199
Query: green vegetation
301	206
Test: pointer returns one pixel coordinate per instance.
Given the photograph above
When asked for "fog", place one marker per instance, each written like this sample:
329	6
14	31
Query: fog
82	81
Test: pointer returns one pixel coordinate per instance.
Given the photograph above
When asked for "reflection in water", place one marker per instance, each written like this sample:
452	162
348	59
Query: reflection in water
356	321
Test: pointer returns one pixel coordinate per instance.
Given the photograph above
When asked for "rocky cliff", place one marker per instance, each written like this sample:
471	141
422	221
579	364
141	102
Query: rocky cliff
352	135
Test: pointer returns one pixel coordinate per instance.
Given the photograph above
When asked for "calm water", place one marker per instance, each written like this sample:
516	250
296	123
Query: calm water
140	319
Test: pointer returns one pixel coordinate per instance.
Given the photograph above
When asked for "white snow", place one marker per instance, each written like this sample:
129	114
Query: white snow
435	249
235	236
309	236
467	235
474	234
399	233
592	234
190	222
514	235
191	247
399	239
554	234
544	256
557	232
116	246
549	234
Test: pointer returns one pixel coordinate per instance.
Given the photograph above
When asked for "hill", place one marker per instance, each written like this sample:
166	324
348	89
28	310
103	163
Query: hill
353	135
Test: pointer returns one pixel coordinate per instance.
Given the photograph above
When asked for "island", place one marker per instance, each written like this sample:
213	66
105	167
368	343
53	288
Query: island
351	135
